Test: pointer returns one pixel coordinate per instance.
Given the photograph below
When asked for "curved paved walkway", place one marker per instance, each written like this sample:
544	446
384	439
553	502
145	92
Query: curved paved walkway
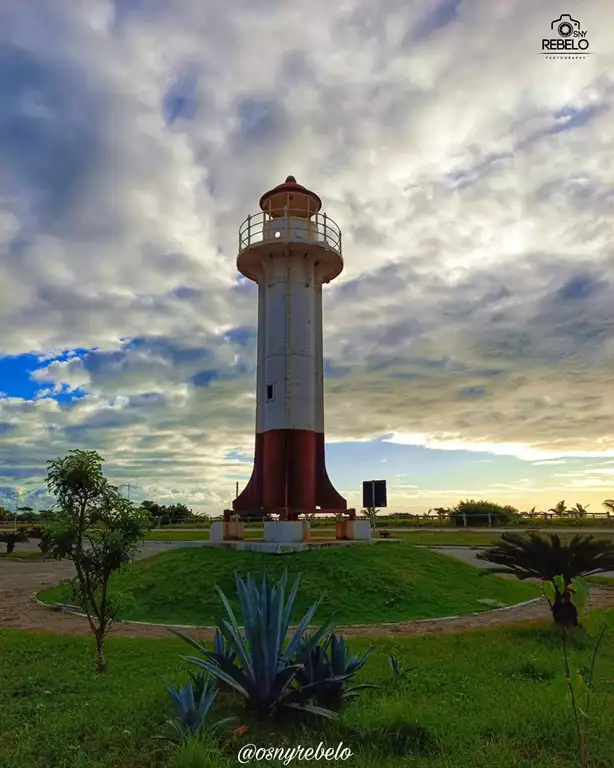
20	580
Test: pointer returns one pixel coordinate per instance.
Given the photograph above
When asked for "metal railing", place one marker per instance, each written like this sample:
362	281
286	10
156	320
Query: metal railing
261	227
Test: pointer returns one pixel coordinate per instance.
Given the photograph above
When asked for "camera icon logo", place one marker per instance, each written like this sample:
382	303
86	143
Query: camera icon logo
566	26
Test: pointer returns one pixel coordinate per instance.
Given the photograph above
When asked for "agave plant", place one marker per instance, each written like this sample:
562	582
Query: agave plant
190	715
535	556
264	668
323	675
398	670
199	683
220	648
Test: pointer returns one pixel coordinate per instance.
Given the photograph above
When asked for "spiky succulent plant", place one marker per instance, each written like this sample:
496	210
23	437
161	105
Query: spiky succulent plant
264	666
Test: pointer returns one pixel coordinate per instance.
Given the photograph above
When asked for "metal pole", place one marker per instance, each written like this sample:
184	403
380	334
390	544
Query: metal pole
237	490
16	505
287	233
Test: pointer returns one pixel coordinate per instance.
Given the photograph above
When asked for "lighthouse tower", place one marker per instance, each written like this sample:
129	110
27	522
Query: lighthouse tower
290	249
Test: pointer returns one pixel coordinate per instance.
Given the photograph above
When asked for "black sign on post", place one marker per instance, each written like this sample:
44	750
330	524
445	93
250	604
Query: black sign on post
374	494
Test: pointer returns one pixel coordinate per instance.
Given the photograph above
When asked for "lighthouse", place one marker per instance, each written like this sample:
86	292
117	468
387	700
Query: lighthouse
291	250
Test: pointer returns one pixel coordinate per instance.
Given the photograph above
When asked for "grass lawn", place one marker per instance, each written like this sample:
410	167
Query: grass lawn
429	538
489	699
23	554
387	582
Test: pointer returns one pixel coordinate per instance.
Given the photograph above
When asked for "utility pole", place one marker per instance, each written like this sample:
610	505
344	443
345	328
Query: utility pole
16	506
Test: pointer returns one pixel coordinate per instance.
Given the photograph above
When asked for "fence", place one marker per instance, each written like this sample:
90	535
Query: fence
395	520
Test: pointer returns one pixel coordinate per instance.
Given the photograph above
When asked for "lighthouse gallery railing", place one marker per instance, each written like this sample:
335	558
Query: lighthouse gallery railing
261	227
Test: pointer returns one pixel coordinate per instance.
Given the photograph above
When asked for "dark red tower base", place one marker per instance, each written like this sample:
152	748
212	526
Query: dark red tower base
289	477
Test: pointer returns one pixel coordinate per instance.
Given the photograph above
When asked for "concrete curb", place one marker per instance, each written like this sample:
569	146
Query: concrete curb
67	609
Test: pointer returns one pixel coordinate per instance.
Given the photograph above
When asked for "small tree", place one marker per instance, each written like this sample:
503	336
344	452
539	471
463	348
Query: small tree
580	685
26	509
608	504
534	556
177	512
157	512
98	530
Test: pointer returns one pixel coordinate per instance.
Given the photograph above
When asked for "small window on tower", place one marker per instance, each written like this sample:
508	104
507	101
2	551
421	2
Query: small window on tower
269	391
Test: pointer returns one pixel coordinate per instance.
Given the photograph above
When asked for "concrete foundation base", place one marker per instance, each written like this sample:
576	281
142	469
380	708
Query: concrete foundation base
216	532
283	532
273	548
232	530
359	530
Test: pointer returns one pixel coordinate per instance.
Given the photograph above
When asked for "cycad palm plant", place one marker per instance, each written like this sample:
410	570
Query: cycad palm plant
534	556
10	538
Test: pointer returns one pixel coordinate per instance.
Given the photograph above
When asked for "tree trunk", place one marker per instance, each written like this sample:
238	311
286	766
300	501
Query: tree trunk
101	663
564	613
10	547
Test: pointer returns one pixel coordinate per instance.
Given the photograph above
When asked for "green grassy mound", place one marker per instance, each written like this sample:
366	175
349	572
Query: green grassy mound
359	584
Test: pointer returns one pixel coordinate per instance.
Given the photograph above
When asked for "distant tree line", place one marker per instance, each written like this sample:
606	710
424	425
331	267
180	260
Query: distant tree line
167	515
26	513
468	512
472	512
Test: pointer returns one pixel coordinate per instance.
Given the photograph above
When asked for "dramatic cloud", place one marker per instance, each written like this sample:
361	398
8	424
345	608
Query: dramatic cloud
472	179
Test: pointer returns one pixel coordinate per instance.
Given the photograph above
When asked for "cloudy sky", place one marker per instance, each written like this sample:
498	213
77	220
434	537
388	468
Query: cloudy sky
469	343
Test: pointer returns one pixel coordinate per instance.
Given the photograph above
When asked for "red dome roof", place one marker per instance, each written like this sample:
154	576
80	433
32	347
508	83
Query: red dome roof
306	202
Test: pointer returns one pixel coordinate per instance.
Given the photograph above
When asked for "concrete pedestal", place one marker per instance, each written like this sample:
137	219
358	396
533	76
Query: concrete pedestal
227	531
234	529
283	532
358	530
216	532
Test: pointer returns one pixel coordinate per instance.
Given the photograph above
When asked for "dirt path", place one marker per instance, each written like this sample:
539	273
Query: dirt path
20	580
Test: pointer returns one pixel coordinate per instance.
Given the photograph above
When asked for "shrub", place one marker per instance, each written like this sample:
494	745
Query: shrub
45	542
532	670
477	513
10	538
36	532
